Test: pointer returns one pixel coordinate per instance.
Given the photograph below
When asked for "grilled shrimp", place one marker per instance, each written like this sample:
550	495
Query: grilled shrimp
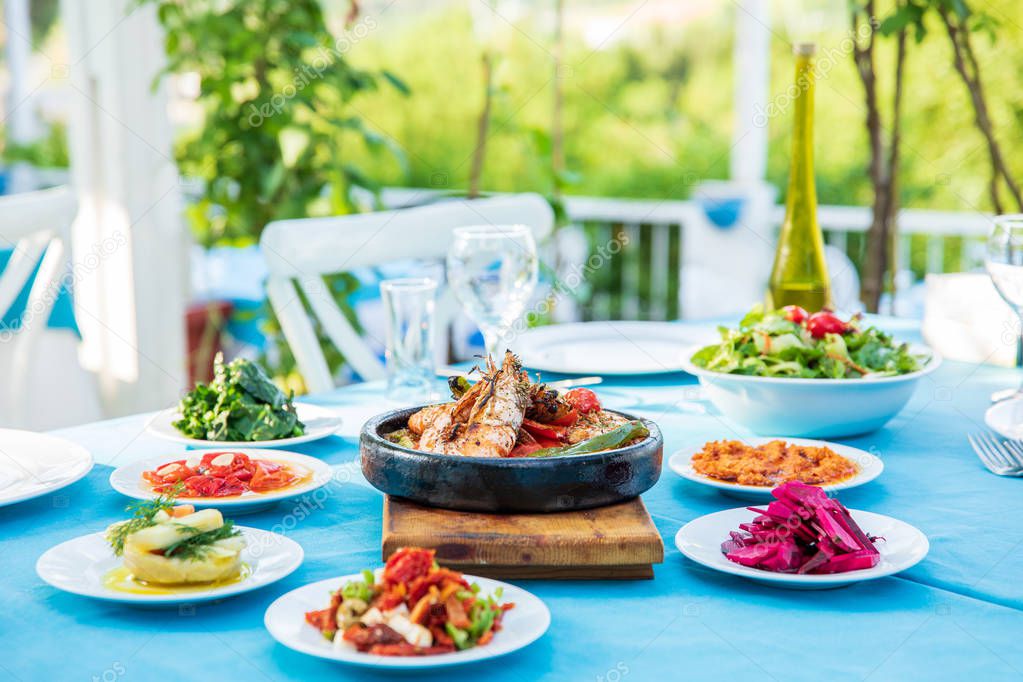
421	420
498	401
434	424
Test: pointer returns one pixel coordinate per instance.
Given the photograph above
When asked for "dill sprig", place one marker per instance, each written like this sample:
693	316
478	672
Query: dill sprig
142	517
197	546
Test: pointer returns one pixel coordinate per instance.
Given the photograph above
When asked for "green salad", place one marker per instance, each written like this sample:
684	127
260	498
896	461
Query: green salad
240	404
793	343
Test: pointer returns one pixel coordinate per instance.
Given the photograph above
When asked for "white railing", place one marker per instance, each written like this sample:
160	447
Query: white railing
948	241
648	279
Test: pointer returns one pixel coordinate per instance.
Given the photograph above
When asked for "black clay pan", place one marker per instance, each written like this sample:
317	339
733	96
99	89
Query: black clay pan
519	484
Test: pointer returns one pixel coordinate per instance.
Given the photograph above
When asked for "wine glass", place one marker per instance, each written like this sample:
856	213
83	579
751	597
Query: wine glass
1004	263
492	270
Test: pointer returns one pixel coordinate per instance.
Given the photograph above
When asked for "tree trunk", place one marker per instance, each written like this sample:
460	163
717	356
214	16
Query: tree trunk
884	162
482	127
965	62
557	133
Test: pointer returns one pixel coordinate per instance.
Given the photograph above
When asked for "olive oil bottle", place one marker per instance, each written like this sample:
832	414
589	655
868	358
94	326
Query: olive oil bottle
800	272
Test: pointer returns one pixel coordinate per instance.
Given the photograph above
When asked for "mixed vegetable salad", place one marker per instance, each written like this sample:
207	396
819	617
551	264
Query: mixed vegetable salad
240	404
794	343
412	607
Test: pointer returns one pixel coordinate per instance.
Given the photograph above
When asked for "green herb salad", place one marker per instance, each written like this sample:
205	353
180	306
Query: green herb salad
793	343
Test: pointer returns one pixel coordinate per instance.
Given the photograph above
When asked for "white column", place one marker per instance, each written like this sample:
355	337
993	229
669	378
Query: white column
130	299
752	62
21	120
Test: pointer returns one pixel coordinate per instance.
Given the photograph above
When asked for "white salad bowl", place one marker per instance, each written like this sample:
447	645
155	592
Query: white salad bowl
809	408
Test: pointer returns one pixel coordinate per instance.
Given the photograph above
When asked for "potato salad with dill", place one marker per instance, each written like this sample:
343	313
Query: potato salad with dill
794	343
167	544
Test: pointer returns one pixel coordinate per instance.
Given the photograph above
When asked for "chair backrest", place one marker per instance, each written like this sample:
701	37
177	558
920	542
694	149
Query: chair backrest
300	252
35	225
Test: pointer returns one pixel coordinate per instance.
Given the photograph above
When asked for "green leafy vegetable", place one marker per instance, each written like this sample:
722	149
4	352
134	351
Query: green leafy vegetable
142	514
197	546
240	404
767	344
605	441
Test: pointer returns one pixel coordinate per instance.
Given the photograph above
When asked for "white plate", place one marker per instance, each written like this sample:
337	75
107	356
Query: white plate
610	348
285	619
319	423
903	547
34	464
78	566
128	480
1006	418
870	468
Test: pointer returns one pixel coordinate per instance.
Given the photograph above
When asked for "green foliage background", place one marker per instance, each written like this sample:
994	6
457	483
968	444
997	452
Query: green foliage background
649	116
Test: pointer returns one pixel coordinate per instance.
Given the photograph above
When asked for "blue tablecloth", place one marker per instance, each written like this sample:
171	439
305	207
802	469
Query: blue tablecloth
958	614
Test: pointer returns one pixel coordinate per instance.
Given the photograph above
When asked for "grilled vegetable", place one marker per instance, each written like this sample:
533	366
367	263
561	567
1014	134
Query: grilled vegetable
605	441
458	385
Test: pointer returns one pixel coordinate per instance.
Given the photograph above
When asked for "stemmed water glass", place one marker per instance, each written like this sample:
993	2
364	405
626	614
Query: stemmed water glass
1004	263
492	270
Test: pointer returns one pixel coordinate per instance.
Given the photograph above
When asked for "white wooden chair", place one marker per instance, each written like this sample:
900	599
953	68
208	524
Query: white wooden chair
35	225
300	252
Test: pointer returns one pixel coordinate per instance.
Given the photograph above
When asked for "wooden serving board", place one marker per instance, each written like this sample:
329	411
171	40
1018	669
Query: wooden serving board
617	542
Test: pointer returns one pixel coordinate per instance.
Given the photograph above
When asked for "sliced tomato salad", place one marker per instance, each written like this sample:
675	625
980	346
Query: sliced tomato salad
221	474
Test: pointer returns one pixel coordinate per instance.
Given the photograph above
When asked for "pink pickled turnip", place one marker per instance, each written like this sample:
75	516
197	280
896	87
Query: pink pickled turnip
802	530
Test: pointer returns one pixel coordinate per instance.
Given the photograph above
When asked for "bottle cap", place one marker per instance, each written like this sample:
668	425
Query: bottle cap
804	49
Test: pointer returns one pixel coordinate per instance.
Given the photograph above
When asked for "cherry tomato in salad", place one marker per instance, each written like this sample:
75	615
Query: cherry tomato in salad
793	313
583	399
823	323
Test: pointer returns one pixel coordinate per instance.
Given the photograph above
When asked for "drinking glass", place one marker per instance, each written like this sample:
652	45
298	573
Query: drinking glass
409	306
492	270
1004	263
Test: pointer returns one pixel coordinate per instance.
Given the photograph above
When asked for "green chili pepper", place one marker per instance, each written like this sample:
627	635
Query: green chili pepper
460	636
605	441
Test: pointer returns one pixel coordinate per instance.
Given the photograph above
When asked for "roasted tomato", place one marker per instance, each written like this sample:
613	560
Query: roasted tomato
269	476
583	400
567	419
823	323
793	313
548	431
221	474
407	564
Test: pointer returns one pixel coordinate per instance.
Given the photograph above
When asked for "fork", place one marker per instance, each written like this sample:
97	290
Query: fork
997	456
